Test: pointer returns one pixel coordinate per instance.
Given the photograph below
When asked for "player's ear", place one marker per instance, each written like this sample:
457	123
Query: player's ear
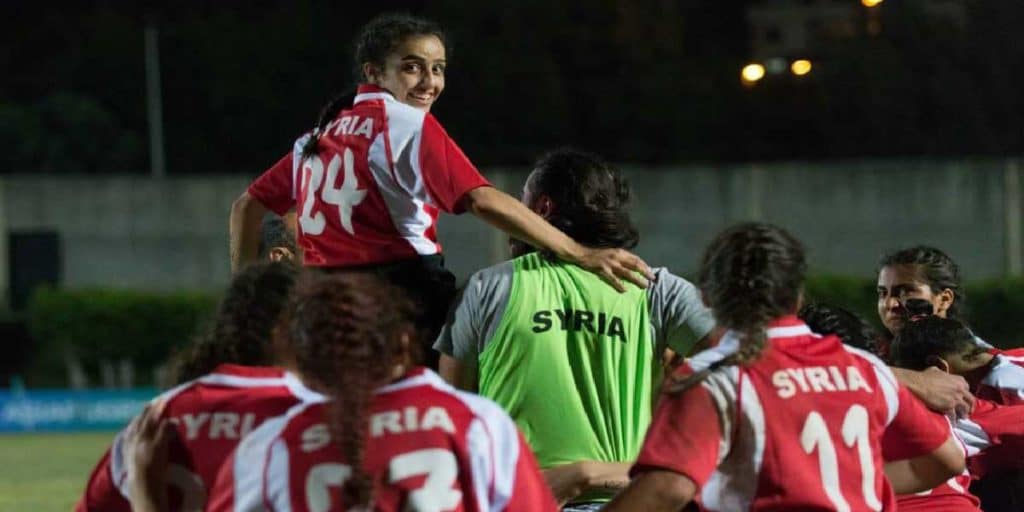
938	362
943	301
281	254
545	206
407	358
371	73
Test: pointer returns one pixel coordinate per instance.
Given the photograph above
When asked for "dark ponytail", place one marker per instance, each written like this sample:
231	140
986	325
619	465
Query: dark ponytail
348	332
750	275
330	111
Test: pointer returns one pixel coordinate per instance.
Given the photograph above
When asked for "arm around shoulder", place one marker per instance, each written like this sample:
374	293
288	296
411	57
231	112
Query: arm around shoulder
927	471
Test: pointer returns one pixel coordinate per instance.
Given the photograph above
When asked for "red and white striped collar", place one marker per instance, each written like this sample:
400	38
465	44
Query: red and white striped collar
418	376
370	92
788	326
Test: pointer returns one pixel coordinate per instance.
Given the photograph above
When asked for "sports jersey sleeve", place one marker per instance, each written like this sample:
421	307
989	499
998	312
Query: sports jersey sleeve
682	437
275	189
994	437
678	315
477	312
914	430
446	170
101	493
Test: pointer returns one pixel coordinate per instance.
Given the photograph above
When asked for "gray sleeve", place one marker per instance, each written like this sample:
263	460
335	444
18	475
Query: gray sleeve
477	313
678	316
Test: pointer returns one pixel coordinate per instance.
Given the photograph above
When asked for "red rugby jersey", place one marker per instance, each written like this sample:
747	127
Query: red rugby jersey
373	194
801	428
993	437
952	495
211	414
430	448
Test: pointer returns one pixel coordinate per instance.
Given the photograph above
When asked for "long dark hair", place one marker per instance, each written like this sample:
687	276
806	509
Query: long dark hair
750	275
242	329
375	42
938	271
347	332
590	198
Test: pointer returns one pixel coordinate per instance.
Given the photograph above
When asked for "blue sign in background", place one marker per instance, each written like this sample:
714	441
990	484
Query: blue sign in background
70	411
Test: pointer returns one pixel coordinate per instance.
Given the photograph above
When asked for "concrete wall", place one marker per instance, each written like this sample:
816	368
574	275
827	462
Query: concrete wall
172	233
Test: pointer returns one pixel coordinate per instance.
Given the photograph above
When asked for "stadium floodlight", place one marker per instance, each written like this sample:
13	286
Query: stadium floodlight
752	73
870	3
800	67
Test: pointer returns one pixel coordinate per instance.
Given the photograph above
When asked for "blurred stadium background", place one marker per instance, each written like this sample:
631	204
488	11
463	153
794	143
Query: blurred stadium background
126	130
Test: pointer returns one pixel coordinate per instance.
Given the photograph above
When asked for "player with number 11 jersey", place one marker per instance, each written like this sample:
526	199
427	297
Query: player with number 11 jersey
775	417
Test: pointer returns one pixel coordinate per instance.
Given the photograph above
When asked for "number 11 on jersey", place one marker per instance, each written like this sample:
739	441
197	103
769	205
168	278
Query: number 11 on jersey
854	432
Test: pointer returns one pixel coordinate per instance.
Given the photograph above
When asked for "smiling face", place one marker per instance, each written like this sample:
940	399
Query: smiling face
413	72
896	284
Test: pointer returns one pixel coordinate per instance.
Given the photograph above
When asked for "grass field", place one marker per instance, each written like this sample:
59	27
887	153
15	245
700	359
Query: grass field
46	472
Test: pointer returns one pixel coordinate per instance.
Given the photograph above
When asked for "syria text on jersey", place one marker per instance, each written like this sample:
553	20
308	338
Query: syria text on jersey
818	379
579	321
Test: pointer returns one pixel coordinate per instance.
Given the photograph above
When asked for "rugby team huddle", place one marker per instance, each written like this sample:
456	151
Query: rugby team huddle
344	371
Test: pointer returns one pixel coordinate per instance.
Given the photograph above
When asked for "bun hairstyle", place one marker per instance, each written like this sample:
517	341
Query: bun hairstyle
375	42
751	274
591	199
348	332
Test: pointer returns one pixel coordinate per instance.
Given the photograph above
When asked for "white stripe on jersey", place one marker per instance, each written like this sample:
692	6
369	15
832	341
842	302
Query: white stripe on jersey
973	437
278	490
1006	375
370	96
251	464
789	332
727	346
499	435
886	380
238	381
297	165
406	212
733	484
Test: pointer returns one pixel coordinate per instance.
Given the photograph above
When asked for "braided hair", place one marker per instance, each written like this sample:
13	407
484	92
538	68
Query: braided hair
751	274
937	270
242	329
347	332
376	41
